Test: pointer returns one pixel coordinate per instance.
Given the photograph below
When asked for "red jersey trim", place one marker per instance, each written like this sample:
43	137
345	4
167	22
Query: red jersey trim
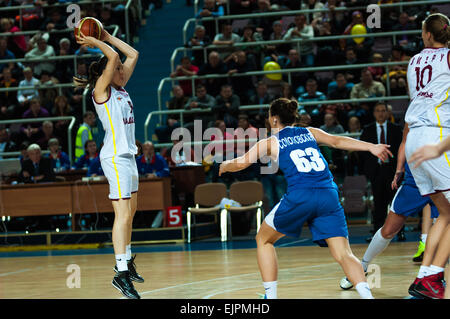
109	96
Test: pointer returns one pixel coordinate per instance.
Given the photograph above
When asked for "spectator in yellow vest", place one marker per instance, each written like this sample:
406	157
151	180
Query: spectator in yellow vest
84	133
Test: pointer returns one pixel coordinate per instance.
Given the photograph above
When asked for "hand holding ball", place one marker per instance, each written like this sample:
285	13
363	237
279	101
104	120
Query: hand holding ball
89	27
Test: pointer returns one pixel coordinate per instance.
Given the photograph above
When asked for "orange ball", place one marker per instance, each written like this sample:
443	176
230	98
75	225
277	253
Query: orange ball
90	27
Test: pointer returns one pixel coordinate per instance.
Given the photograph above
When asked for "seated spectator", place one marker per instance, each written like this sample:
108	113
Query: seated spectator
298	79
352	75
8	99
199	39
95	168
287	91
64	68
311	94
23	152
62	108
90	154
60	160
179	158
304	31
47	134
17	44
6	145
331	125
242	85
42	50
214	66
84	49
262	97
304	120
210	9
25	95
263	24
354	164
150	164
9	3
84	133
253	52
367	87
377	71
36	169
177	102
54	21
32	129
273	51
32	17
185	69
339	89
47	92
226	39
248	131
227	106
397	78
404	24
202	100
5	54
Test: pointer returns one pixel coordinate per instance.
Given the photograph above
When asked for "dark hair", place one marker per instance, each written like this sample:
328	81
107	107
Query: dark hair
87	143
95	71
380	103
439	26
285	109
87	114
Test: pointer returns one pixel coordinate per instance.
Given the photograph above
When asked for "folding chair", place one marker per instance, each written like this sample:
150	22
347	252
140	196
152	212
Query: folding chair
209	196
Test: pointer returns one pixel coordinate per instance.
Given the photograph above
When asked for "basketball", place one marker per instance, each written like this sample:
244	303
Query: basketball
89	27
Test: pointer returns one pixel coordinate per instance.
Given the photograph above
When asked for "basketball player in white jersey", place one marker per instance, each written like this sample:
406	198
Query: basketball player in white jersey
108	78
428	120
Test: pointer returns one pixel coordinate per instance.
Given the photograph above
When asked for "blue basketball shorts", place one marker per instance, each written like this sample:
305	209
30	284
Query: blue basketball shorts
408	202
319	207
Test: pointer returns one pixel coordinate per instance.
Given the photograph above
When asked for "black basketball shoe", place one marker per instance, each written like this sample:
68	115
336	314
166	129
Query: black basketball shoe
123	283
132	269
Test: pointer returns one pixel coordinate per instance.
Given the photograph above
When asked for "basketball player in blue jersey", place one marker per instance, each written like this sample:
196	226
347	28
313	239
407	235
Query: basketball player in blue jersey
113	105
311	197
407	202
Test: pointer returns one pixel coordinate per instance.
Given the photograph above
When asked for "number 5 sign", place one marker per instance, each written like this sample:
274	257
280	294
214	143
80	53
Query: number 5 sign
173	216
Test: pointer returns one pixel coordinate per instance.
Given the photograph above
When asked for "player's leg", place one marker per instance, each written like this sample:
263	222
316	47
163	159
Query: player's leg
267	258
342	253
426	225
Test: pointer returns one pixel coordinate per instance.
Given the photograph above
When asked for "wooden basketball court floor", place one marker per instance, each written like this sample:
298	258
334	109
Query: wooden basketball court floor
202	270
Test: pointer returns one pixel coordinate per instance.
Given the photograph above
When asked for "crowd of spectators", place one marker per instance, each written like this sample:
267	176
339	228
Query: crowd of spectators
233	48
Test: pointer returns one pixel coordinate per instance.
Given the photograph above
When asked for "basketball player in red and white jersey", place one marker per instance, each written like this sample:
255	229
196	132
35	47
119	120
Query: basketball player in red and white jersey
428	120
108	78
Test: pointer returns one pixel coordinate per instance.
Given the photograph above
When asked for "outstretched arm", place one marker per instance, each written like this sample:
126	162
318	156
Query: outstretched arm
131	53
430	151
260	149
350	144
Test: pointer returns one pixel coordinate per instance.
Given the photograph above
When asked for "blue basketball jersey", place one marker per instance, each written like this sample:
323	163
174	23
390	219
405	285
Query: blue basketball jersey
300	160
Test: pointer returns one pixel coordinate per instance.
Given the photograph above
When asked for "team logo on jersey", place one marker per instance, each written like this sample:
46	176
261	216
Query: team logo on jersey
129	120
119	98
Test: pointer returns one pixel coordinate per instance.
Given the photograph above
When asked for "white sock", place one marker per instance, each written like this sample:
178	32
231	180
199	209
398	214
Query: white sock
128	252
376	246
433	270
364	290
271	289
423	271
423	238
121	262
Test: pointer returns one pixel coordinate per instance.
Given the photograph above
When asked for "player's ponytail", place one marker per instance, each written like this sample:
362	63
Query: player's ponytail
95	71
439	27
285	109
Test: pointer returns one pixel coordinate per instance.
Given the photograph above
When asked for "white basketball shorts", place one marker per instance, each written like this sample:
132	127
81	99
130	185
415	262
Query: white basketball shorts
122	175
434	175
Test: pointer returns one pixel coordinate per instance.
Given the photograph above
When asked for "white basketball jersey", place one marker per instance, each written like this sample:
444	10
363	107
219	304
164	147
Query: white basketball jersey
429	85
117	117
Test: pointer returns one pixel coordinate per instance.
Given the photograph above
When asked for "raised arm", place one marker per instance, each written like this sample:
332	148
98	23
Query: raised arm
103	82
350	144
131	53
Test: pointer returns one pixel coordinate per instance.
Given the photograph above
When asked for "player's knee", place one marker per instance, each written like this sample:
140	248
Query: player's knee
388	232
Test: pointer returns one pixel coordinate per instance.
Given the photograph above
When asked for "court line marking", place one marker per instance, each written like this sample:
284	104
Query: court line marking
242	288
